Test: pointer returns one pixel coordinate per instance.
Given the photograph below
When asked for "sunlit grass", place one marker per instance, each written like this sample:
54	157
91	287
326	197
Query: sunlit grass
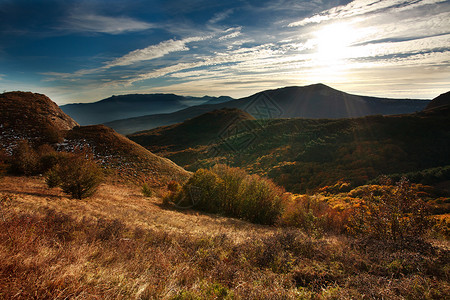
120	244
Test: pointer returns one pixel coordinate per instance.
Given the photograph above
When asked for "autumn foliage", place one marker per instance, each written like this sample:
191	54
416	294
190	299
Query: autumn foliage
392	213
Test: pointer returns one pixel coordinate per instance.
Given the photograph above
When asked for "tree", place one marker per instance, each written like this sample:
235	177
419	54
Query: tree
76	175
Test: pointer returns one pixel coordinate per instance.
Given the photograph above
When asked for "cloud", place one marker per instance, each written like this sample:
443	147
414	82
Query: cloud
153	51
133	57
218	17
363	7
88	22
236	32
221	58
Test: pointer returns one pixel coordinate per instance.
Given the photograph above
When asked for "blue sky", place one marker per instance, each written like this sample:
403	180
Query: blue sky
83	51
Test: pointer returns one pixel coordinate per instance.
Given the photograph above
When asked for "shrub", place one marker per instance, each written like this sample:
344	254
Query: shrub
394	214
232	192
173	186
146	190
49	157
259	200
203	190
76	175
25	160
52	178
313	215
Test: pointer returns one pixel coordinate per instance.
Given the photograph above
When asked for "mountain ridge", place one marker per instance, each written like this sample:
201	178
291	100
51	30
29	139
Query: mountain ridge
313	101
132	105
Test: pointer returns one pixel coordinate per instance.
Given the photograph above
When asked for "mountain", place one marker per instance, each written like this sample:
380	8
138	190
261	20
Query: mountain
30	116
200	130
305	154
127	106
313	101
36	118
441	101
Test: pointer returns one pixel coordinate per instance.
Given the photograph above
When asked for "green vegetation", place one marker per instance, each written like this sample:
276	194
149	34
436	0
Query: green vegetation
77	176
146	190
306	154
232	192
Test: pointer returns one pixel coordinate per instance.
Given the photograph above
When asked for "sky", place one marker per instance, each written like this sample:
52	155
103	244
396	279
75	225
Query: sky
85	51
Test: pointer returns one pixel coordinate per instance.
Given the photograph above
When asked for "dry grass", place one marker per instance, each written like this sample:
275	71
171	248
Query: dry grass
121	245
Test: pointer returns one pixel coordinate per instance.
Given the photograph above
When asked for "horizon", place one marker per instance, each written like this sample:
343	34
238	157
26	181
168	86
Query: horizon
245	96
81	52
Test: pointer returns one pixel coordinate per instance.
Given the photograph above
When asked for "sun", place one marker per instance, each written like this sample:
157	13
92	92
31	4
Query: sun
333	42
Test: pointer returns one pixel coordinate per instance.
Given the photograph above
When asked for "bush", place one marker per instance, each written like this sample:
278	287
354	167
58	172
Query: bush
396	213
146	190
76	175
232	192
313	215
49	157
173	186
25	160
203	190
259	200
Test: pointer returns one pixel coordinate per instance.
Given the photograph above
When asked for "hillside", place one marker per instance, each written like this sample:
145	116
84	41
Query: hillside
305	154
26	115
39	120
313	101
127	158
197	131
127	106
441	101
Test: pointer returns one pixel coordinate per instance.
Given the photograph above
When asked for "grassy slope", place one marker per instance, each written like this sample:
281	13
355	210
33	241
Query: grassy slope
118	244
304	154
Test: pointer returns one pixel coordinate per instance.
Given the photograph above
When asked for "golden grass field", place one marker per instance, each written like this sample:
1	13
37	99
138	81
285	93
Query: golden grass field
119	244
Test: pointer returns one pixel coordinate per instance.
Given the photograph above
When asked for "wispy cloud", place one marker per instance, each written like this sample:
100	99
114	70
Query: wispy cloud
231	33
133	57
363	7
89	22
153	51
218	17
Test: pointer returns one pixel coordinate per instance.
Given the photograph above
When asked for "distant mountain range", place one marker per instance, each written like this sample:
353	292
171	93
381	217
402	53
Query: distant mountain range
128	106
303	154
316	101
